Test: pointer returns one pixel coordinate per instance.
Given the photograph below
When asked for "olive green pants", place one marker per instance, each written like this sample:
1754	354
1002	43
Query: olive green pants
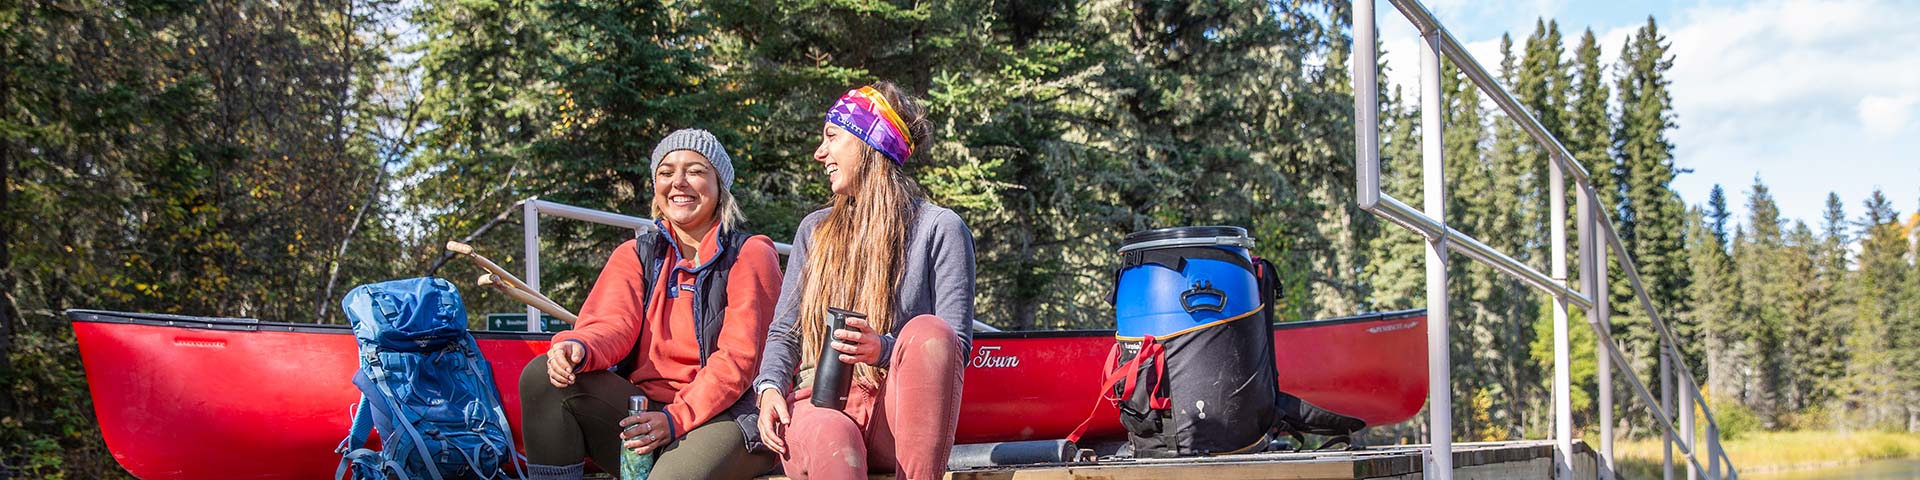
561	425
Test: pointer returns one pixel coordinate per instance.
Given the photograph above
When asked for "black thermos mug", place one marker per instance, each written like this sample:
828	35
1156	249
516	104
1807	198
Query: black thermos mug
832	377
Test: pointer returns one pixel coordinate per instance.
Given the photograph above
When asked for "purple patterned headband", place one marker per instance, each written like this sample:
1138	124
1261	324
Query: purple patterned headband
866	114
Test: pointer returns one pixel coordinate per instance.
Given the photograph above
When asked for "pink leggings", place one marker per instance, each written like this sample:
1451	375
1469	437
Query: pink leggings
906	425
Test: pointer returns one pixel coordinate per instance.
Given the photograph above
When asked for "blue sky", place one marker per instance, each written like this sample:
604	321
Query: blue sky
1811	96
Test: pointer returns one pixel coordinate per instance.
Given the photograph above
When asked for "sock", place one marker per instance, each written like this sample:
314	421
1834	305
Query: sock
551	472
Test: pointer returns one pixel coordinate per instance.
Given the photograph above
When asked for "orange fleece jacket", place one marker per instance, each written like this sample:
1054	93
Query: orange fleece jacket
612	323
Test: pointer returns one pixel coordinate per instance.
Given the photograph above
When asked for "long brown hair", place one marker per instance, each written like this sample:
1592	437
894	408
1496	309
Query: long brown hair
856	258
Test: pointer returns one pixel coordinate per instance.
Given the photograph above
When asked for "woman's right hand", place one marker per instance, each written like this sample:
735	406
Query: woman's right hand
773	420
562	359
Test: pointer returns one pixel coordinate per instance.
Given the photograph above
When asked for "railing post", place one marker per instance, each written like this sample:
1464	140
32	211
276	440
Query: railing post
1562	376
1713	451
1366	106
530	212
1603	374
1439	359
1687	395
1593	295
1666	405
1584	229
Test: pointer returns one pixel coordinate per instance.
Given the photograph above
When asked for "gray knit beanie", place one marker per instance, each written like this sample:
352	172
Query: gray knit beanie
700	142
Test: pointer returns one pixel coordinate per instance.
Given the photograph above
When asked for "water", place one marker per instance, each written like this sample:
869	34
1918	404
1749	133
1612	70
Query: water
1876	470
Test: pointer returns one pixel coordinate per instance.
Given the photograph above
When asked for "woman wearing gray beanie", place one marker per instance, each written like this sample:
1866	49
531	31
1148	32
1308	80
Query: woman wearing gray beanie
679	315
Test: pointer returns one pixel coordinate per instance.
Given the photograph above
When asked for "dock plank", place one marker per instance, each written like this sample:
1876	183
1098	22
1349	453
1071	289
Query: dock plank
1482	461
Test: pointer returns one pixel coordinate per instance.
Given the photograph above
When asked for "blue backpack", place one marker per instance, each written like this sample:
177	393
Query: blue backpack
423	382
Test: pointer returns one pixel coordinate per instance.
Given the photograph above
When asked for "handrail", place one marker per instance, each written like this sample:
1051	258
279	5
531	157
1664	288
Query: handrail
607	218
533	207
1441	238
1393	209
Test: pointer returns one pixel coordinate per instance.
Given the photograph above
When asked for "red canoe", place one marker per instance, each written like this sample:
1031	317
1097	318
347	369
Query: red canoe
194	397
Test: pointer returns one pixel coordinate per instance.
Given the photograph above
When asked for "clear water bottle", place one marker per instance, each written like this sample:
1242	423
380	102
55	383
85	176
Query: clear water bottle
635	466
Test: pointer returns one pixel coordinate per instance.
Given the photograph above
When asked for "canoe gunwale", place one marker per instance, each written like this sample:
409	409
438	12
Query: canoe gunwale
249	324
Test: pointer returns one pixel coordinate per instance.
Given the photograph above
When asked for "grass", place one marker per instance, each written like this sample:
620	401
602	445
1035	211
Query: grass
1758	452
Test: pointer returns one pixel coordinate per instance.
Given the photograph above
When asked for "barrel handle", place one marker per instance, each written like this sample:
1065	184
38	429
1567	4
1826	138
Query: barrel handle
1202	288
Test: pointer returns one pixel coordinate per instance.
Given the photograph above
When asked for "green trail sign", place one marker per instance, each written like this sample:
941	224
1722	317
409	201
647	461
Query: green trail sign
517	322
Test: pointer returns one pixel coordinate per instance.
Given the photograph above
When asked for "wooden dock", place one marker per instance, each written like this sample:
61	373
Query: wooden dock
1489	461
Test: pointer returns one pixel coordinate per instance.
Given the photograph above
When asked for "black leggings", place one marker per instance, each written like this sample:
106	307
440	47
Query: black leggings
562	425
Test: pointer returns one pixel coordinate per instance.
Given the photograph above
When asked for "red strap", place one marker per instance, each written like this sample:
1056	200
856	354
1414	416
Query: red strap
1113	356
1131	370
1130	373
1155	400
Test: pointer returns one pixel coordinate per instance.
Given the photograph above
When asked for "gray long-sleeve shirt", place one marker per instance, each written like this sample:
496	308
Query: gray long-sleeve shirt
938	280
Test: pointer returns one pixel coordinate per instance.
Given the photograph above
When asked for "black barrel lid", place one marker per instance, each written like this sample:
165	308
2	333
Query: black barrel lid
1187	236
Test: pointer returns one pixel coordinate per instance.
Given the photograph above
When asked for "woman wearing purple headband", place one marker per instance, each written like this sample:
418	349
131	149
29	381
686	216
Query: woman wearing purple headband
883	250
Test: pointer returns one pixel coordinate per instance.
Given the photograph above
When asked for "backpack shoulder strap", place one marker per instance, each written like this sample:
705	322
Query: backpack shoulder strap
476	366
361	429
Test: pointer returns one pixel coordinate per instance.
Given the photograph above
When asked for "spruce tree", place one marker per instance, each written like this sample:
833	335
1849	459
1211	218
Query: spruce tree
1398	274
1763	290
1651	212
1542	86
1716	295
1589	127
1873	375
1513	222
1834	320
1805	344
1717	213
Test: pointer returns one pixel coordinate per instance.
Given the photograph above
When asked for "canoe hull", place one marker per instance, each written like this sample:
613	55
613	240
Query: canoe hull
191	397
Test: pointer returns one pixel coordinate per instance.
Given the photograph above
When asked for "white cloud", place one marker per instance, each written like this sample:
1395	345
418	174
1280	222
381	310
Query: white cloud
1813	96
1885	115
1804	94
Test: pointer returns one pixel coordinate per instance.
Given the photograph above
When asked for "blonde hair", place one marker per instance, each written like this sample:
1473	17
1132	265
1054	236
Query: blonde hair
856	259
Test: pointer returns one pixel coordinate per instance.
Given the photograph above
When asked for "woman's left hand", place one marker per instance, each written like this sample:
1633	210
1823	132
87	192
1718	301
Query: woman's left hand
645	432
857	343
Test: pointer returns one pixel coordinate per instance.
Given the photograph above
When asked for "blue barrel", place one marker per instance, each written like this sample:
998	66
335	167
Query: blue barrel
1178	280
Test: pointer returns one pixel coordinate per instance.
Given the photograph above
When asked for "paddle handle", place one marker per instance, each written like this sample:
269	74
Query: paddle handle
531	298
488	265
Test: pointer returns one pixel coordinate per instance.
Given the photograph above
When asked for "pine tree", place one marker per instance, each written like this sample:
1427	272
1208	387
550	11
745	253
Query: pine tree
1470	185
1542	85
1513	222
1398	273
1873	376
1805	341
1651	213
1717	213
1833	295
1588	126
1763	292
1716	295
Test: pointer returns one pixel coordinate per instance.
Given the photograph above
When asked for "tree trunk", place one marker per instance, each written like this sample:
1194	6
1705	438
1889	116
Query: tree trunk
321	314
9	313
1913	419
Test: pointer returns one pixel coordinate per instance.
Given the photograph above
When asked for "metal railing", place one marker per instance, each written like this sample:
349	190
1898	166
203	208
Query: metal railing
1591	228
533	207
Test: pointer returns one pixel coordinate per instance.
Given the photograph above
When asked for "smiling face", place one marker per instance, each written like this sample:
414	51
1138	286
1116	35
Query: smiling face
843	155
686	190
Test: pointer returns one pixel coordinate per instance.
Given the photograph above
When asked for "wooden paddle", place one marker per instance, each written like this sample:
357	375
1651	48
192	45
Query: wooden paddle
488	265
499	279
531	298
